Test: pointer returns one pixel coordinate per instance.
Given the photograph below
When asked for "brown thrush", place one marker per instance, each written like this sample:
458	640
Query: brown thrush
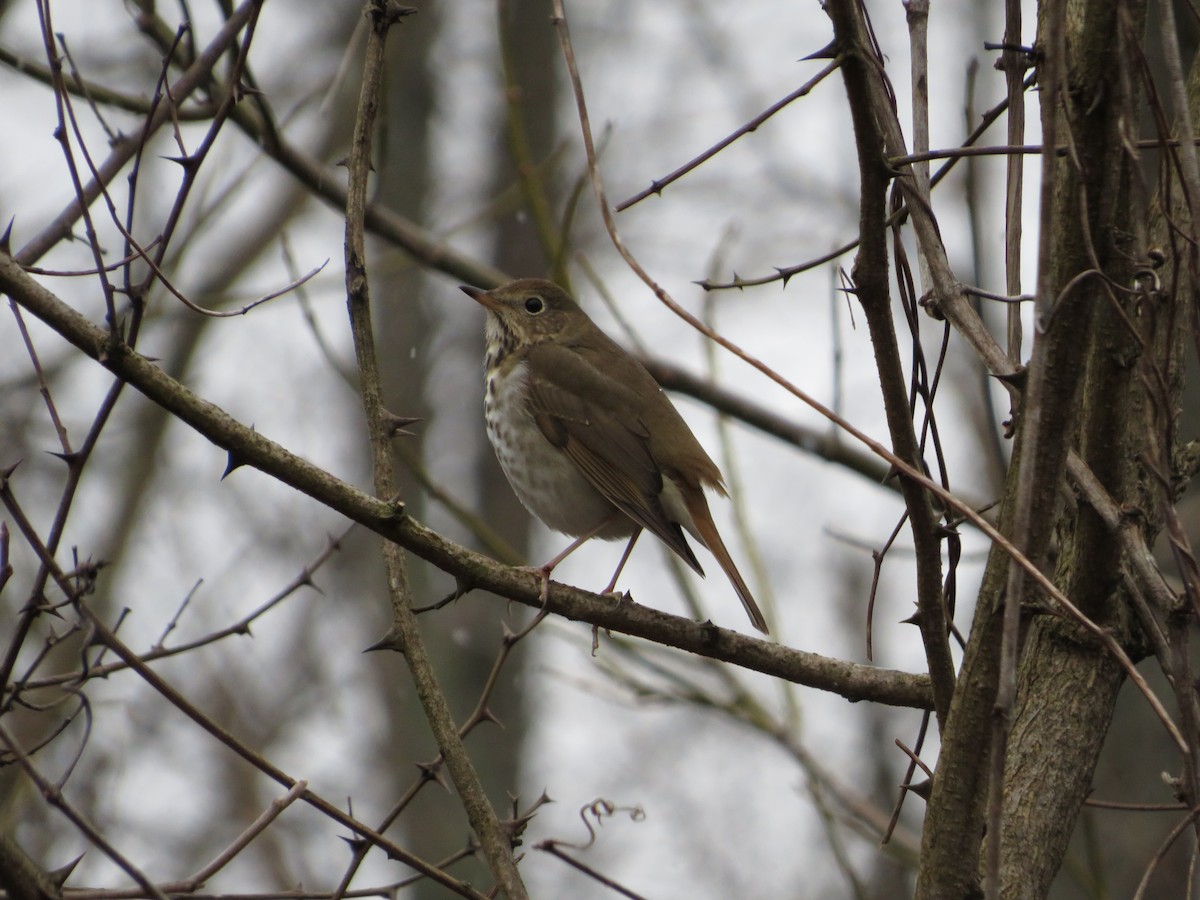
587	438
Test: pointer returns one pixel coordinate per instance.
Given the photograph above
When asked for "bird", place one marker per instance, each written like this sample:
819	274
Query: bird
587	438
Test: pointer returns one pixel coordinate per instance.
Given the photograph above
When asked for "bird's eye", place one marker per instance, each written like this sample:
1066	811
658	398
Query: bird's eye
534	305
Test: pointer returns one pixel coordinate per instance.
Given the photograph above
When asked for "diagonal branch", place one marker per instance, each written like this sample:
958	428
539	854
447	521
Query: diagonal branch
390	520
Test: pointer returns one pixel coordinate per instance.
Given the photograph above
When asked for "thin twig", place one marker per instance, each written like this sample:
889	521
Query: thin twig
191	80
253	830
657	186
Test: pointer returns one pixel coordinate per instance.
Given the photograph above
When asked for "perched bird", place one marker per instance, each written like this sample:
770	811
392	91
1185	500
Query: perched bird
587	438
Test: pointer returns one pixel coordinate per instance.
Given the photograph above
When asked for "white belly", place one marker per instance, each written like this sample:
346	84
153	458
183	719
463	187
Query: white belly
543	477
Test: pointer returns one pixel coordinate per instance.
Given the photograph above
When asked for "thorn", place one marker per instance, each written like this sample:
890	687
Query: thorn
6	240
1017	377
914	619
829	51
1002	45
62	873
234	462
47	609
187	163
394	11
6	473
395	425
389	641
921	788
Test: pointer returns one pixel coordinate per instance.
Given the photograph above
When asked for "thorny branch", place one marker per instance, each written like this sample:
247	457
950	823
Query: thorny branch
205	90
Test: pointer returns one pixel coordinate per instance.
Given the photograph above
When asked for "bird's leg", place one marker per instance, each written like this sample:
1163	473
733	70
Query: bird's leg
624	559
613	584
545	570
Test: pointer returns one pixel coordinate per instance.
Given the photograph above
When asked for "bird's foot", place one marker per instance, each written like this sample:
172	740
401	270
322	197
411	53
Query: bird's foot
620	597
542	573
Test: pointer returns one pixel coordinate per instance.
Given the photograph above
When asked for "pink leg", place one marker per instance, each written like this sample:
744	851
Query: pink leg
575	545
624	559
613	584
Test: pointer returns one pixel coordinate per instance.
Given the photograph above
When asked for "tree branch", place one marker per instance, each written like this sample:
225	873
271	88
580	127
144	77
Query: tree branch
405	634
248	447
862	73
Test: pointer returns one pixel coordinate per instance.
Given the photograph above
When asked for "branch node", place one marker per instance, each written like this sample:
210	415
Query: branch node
386	13
432	771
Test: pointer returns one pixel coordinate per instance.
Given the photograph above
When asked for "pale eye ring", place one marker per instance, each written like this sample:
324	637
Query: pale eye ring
534	305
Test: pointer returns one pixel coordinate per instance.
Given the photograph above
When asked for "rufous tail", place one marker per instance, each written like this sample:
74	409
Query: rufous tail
706	530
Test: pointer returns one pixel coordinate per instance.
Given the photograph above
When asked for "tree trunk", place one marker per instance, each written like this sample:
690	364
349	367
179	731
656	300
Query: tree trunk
1084	393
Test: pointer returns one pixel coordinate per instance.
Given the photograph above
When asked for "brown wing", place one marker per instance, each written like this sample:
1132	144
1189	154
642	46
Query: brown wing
603	437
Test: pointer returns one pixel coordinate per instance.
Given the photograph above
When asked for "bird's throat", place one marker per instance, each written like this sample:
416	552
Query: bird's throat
499	343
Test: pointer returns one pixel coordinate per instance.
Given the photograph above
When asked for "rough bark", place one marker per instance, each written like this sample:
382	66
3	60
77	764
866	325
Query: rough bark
1079	396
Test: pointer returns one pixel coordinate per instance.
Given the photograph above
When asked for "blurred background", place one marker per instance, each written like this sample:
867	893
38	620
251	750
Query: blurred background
746	786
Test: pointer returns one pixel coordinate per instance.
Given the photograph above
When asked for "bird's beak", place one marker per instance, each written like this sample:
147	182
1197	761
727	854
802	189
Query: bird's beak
482	297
